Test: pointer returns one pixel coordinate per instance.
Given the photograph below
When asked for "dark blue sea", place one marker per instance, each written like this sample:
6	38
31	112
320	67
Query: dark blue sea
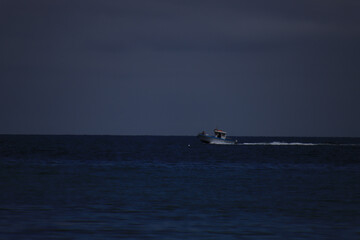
159	187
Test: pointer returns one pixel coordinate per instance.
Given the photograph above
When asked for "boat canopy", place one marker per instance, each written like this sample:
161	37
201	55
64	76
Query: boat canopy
220	133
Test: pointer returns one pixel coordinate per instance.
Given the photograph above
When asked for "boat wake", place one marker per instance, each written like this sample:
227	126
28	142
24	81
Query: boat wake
282	144
223	143
296	144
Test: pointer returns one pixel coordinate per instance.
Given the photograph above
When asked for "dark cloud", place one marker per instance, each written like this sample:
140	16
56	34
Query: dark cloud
177	67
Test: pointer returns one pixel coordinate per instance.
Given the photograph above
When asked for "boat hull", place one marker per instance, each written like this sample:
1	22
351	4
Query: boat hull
214	140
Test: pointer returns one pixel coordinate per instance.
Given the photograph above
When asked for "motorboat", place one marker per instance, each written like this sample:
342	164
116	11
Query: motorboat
218	138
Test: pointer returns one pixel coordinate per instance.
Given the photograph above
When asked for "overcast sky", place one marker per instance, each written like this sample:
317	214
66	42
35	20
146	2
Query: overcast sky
166	67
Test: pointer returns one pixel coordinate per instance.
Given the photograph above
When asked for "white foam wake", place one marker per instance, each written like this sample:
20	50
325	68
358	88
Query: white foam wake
282	144
222	143
297	144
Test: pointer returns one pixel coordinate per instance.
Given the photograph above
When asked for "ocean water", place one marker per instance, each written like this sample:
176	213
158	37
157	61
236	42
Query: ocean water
144	187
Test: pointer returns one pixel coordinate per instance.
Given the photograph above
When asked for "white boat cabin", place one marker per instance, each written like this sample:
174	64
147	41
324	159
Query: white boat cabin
219	133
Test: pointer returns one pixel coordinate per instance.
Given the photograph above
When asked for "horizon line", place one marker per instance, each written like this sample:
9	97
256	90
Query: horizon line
150	135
